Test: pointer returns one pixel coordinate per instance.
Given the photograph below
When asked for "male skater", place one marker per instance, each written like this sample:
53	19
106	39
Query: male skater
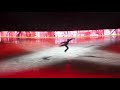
65	43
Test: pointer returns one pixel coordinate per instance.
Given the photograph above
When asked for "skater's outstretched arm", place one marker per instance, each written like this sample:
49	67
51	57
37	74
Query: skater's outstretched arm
71	39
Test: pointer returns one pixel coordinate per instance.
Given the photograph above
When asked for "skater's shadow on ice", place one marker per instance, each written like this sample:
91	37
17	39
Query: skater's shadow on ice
46	58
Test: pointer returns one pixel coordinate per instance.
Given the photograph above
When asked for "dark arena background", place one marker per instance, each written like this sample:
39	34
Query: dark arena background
30	45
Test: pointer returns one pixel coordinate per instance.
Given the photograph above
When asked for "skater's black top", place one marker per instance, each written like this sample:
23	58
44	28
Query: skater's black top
66	42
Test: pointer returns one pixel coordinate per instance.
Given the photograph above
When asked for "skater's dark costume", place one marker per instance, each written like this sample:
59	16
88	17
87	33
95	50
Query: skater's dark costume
65	43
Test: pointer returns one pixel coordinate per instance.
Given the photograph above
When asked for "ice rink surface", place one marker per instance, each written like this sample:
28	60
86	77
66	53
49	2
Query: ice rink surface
81	56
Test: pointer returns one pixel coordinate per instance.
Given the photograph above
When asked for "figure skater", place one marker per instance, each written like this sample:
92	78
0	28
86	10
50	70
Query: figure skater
65	43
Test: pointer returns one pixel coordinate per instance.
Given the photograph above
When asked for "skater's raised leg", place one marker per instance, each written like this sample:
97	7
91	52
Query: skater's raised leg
61	45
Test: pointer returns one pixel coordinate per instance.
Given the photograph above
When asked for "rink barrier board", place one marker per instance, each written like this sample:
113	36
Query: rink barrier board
57	37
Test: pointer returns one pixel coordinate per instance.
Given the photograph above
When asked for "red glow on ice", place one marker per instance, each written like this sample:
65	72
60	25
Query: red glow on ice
67	72
57	74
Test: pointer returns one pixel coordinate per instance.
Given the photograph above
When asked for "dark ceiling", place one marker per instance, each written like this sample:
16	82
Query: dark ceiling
59	20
